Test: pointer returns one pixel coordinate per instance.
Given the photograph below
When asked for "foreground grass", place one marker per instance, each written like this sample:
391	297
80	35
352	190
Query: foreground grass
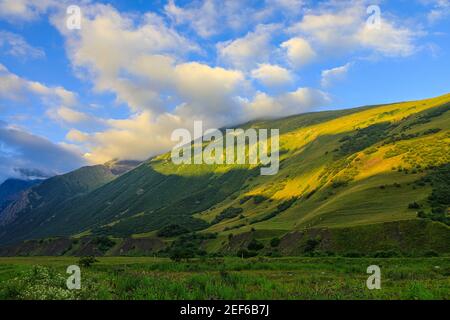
226	278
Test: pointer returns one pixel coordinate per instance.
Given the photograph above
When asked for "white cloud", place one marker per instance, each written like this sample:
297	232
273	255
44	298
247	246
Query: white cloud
299	101
272	75
299	51
336	74
203	19
244	53
440	10
25	9
212	17
77	136
111	47
344	29
140	64
13	87
15	45
138	137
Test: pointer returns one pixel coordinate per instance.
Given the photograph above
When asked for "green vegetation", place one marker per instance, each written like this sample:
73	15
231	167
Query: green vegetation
227	278
172	230
228	213
439	199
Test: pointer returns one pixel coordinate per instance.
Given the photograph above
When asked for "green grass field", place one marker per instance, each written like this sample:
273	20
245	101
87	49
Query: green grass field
226	278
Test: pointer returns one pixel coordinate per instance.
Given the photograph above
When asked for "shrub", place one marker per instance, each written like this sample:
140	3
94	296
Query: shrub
87	261
172	230
414	205
104	243
255	245
430	253
275	242
258	199
178	254
228	213
422	214
244	199
353	254
386	254
311	245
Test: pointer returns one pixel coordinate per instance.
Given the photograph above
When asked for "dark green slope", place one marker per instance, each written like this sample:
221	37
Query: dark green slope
39	205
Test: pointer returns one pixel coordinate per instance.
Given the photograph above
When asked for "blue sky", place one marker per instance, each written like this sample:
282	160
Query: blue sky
136	70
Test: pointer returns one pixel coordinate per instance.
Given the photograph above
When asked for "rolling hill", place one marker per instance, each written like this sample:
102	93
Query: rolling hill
345	174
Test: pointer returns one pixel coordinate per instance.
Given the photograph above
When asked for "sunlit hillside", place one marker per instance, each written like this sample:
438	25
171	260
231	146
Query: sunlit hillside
338	169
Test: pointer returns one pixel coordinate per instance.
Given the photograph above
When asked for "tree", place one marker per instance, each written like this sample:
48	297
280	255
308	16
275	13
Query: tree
275	242
87	261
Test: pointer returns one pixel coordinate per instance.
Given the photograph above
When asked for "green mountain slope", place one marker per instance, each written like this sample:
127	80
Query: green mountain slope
339	169
39	205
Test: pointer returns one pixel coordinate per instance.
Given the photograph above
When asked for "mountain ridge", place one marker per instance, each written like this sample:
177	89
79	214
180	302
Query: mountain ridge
331	165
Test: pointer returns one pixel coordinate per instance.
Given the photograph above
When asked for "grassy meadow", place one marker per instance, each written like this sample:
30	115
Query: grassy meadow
299	278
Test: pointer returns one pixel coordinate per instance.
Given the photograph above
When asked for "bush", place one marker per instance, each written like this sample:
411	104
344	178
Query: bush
244	199
228	213
275	254
172	230
386	254
255	245
104	243
422	214
311	245
414	205
87	261
353	254
258	199
430	254
178	254
275	242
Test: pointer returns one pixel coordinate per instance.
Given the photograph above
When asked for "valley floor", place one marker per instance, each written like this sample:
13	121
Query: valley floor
226	278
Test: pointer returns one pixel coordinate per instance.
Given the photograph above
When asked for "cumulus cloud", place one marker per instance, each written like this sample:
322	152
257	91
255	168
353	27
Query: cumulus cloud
13	87
140	64
74	118
202	18
299	51
20	150
212	17
344	29
244	53
272	75
15	45
109	43
25	9
301	100
335	74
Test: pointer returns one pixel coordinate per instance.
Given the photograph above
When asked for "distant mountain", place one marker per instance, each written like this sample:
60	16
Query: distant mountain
10	190
344	172
37	205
